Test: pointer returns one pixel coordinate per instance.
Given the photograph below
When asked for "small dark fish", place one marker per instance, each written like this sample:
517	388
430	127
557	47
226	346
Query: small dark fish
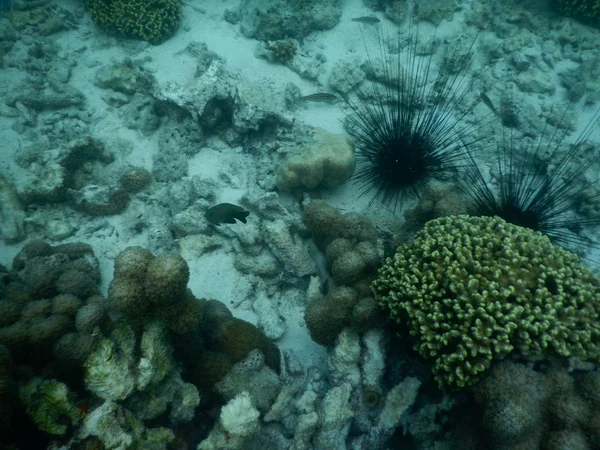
225	213
319	97
371	20
485	99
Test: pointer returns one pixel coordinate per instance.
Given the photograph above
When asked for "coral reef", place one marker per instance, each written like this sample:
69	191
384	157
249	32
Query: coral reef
52	169
154	21
147	383
118	428
331	412
48	285
281	19
436	201
239	419
207	339
147	287
342	307
517	407
253	377
50	405
40	349
58	173
218	101
327	223
119	372
126	77
472	290
353	254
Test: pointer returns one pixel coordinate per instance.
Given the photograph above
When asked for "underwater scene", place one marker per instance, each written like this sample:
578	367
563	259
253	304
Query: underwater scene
299	224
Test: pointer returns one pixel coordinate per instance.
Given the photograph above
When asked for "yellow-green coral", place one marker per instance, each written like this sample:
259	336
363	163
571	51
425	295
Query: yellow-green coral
150	20
474	289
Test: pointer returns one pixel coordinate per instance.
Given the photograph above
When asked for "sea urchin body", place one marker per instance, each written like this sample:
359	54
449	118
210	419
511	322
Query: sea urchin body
406	128
542	186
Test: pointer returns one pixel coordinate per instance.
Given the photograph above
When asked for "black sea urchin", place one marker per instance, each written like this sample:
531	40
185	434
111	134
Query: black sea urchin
408	128
541	185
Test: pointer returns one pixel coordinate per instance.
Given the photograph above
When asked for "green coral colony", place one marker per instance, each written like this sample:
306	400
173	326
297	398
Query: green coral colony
150	20
472	290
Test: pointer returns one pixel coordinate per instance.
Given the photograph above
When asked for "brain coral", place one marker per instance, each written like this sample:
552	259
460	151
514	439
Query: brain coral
474	289
150	20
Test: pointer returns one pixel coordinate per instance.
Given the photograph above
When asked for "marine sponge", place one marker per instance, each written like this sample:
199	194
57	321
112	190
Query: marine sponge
474	289
150	20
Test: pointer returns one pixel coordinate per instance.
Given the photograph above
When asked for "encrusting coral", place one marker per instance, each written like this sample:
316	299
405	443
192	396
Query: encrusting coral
475	289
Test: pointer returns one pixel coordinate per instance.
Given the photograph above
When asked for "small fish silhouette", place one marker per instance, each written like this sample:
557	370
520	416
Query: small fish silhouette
319	97
371	20
225	213
488	102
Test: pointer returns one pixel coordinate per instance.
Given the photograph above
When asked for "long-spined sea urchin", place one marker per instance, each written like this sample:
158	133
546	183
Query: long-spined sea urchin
542	186
408	129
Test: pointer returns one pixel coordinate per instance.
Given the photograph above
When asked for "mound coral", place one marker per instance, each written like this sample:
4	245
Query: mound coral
147	287
474	289
48	285
353	254
150	20
328	163
518	407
